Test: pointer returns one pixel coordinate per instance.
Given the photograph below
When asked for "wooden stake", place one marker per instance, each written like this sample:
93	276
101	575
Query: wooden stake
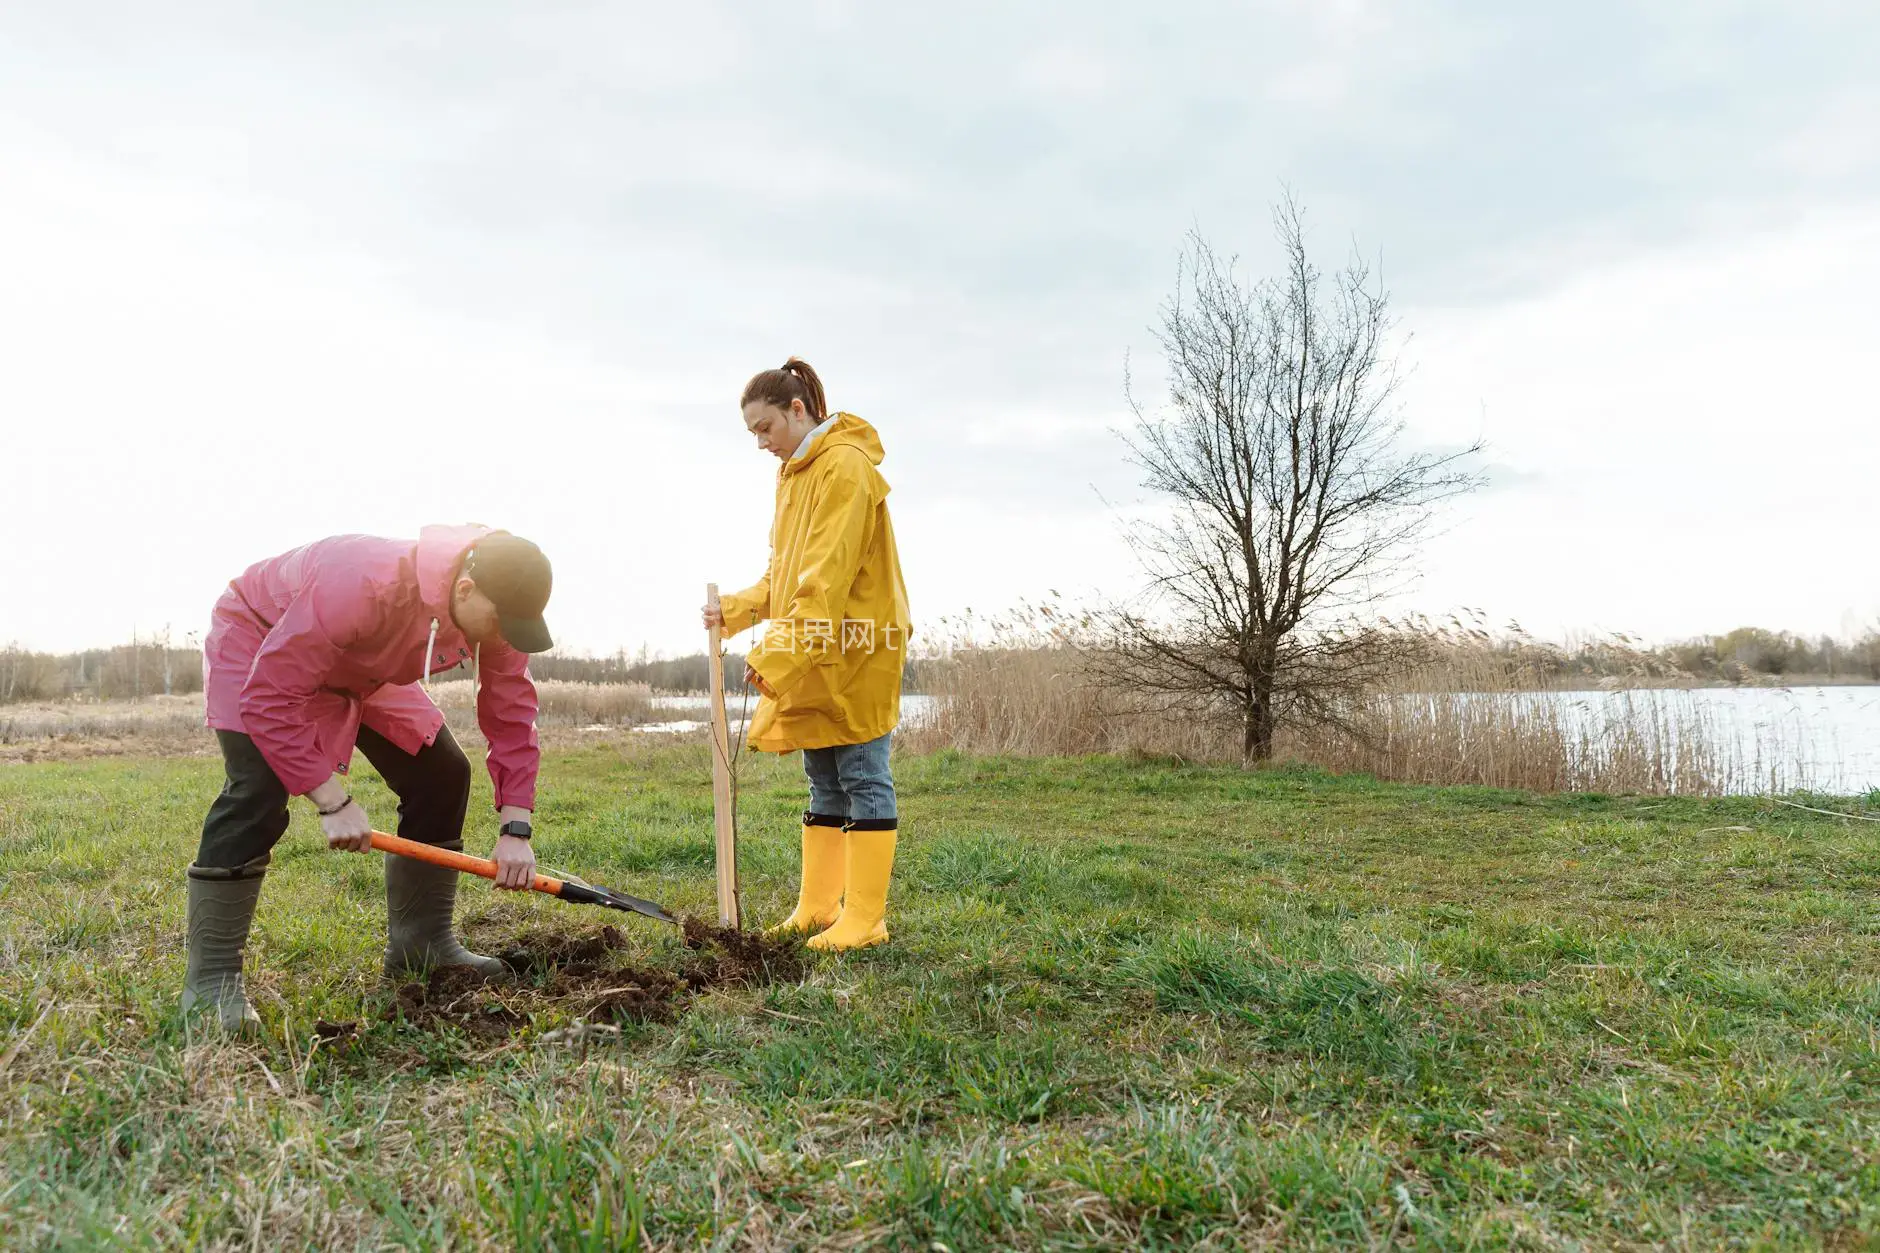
729	914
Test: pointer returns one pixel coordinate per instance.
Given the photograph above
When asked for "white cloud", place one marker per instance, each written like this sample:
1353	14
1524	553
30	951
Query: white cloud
1838	139
1032	428
1069	74
1702	426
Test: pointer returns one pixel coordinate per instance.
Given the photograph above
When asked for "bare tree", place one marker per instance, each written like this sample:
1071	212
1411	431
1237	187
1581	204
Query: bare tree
1294	497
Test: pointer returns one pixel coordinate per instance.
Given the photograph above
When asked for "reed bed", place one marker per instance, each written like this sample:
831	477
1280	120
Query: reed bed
1645	742
156	718
173	725
1465	720
1054	702
563	703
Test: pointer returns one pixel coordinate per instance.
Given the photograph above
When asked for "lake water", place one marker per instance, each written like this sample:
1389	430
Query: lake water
1824	739
695	711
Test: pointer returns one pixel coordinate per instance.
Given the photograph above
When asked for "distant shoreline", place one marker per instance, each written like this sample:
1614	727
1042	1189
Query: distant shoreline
1764	683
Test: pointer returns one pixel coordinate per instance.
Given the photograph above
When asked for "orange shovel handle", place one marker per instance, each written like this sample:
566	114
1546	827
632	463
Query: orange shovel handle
481	866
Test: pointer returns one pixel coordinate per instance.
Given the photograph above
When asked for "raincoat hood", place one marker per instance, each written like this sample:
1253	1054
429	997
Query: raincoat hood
849	431
438	552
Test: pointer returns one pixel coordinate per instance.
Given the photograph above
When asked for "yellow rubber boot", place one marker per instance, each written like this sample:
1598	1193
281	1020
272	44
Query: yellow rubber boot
825	871
871	864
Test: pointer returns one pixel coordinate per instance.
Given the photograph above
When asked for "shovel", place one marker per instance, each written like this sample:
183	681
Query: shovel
577	893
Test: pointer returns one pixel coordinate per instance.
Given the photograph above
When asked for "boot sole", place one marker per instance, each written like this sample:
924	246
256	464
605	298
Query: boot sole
866	942
812	928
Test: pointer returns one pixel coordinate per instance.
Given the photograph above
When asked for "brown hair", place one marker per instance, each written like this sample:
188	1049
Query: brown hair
794	380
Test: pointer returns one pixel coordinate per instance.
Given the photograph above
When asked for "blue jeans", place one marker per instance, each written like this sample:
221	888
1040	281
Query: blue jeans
851	781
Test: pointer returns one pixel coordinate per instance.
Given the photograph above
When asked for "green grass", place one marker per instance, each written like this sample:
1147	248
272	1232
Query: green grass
1127	1005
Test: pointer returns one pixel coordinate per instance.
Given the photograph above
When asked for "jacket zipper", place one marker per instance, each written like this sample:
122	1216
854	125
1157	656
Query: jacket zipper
424	680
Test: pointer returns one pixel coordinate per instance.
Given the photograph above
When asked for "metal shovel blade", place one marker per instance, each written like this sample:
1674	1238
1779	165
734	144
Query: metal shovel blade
588	894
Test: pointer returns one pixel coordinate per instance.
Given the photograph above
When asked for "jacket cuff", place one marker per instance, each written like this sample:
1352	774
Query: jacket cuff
521	795
740	610
780	670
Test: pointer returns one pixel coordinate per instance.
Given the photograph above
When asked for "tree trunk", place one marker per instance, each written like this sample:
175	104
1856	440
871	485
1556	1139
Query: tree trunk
1257	729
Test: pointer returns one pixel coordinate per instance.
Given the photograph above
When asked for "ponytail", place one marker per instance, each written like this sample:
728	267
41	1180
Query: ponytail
795	380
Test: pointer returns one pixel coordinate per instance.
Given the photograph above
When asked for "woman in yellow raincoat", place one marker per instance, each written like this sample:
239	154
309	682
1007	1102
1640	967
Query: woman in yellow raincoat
829	664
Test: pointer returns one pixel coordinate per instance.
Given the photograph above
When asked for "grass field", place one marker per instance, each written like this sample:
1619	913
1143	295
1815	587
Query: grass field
1127	1005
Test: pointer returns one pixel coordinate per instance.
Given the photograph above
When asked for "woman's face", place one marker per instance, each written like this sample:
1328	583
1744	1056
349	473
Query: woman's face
778	430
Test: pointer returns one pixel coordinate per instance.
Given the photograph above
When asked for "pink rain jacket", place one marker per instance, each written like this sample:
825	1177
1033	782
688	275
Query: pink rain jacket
306	646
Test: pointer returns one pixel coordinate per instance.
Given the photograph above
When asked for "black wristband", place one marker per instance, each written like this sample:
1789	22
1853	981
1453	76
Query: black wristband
328	813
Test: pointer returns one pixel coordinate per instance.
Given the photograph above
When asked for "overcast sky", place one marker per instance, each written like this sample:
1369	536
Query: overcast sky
272	272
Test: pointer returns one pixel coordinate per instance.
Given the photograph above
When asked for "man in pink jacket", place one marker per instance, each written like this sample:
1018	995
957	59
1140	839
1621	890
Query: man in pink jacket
329	647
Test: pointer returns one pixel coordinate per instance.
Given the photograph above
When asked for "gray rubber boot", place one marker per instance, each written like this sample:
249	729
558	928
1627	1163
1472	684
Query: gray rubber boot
221	909
420	902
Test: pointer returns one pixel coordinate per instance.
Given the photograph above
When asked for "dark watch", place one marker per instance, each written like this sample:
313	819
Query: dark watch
518	828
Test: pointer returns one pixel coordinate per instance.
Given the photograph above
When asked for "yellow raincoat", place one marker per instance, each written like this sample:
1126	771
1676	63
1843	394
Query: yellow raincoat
833	595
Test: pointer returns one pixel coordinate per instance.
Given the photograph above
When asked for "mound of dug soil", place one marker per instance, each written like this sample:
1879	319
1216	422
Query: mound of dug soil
730	956
579	971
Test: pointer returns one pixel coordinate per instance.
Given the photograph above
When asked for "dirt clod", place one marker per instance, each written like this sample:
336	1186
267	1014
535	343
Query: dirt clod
335	1032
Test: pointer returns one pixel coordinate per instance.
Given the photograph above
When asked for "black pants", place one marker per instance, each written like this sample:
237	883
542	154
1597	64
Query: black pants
250	816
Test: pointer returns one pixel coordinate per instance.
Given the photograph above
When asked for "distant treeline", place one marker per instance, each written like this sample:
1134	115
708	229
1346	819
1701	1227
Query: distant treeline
1748	655
1745	655
676	674
1749	652
127	672
133	671
662	674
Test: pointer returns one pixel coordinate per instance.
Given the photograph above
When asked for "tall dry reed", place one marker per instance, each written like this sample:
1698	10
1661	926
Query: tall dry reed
1053	701
175	723
154	718
563	703
1650	742
1487	717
